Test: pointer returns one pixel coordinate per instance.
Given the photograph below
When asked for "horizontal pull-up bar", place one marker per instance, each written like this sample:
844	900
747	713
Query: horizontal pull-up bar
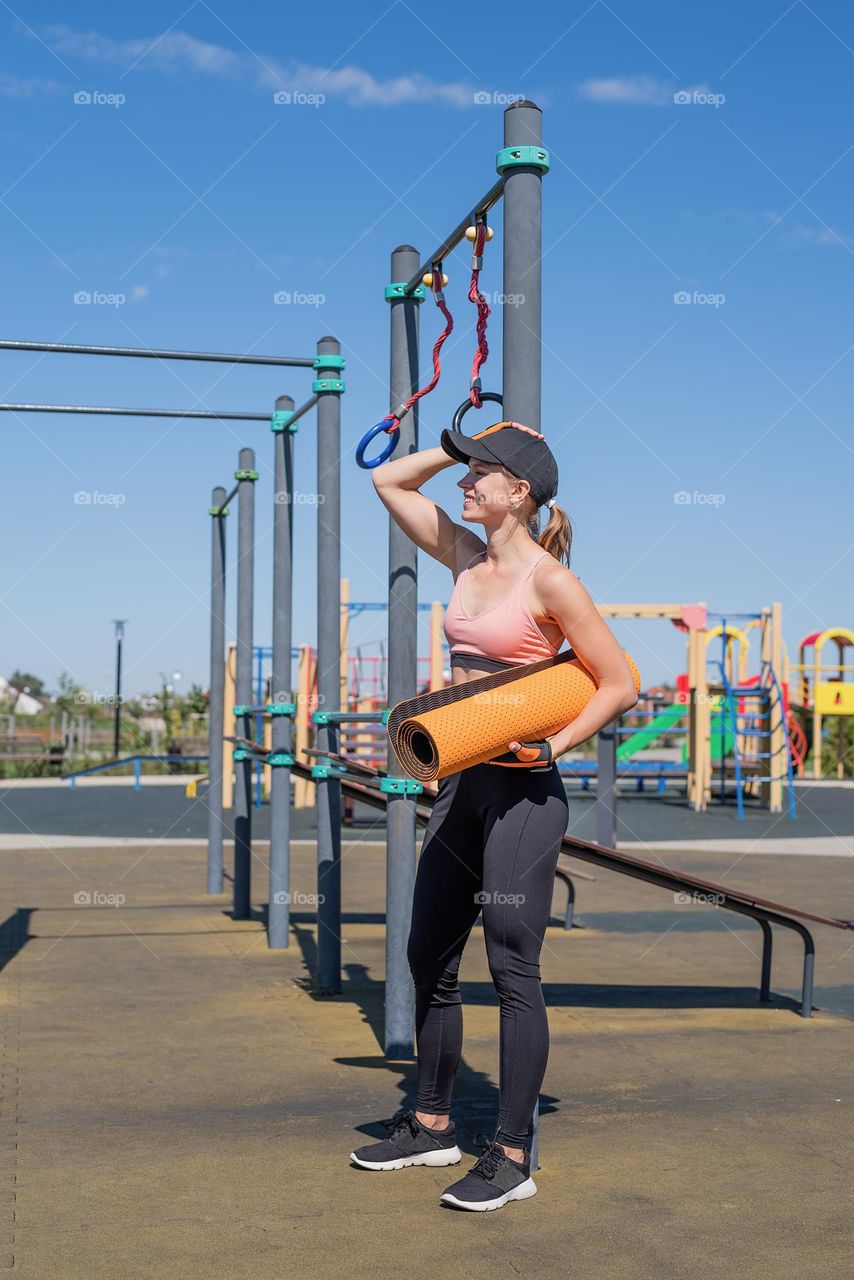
74	349
135	413
491	198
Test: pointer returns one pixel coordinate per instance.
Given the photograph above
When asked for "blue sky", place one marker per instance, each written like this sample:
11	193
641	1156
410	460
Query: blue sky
183	197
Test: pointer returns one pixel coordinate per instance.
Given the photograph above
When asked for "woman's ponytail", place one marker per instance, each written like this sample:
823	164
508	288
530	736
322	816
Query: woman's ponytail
556	537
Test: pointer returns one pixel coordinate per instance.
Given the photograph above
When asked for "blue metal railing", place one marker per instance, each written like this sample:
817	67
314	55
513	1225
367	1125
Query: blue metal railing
136	761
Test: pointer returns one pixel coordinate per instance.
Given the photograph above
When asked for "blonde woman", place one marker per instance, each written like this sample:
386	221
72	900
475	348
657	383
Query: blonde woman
494	834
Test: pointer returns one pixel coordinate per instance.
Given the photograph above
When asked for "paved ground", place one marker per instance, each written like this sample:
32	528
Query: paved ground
176	1102
163	812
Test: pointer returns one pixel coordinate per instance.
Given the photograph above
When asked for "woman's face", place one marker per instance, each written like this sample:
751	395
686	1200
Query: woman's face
487	491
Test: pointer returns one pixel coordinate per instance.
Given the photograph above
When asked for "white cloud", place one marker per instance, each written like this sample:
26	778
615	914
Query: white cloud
628	91
16	87
178	52
822	236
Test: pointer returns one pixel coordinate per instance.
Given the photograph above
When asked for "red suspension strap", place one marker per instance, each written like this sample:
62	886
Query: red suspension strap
437	283
481	355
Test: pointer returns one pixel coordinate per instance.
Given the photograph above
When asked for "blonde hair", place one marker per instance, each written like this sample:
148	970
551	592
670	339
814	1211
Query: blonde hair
556	537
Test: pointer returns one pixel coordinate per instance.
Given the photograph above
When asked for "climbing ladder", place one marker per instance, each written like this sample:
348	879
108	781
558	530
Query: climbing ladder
754	712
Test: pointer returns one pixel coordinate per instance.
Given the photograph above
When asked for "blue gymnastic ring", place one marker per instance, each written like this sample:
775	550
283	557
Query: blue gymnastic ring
368	437
467	404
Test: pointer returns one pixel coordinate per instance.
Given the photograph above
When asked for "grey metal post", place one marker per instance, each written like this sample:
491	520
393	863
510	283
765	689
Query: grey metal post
278	911
523	242
246	475
328	788
523	246
216	702
402	681
606	786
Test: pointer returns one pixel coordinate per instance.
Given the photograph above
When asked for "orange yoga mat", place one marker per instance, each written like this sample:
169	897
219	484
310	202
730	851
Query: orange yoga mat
470	723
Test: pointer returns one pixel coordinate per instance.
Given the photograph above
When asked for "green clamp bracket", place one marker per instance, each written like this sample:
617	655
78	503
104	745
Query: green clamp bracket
328	384
281	421
217	511
240	753
401	786
328	362
396	292
277	759
386	715
327	770
516	157
240	710
280	708
246	474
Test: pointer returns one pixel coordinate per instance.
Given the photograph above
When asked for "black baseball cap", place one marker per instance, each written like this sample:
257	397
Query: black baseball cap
527	456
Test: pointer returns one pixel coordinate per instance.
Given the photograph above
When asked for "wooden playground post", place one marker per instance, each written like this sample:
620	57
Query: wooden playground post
344	704
437	679
228	726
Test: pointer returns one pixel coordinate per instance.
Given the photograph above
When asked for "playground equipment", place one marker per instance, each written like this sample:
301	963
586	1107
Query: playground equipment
820	689
327	389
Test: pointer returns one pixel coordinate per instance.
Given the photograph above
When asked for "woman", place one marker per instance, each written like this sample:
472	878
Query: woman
494	835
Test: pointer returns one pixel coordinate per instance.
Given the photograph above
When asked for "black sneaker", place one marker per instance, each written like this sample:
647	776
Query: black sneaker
493	1181
410	1142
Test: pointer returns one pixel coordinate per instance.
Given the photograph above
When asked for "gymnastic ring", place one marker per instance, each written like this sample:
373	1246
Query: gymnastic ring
467	404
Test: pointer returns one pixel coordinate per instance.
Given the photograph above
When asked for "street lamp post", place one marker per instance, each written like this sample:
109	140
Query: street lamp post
119	624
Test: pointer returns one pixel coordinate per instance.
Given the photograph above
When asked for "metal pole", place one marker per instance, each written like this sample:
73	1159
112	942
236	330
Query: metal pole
117	412
216	700
402	682
119	624
278	911
523	238
152	353
246	475
328	786
606	786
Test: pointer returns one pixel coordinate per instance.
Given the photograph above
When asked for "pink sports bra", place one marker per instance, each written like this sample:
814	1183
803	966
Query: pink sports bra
506	633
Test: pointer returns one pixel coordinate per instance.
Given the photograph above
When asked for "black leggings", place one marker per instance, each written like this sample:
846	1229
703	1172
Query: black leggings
491	845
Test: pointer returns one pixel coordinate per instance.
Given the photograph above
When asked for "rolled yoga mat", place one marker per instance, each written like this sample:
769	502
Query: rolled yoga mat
470	723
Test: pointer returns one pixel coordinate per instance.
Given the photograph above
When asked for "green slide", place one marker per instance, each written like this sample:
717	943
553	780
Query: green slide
652	731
